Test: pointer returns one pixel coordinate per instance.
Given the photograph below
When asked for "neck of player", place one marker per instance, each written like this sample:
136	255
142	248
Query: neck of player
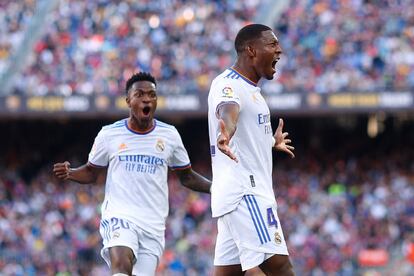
140	125
246	69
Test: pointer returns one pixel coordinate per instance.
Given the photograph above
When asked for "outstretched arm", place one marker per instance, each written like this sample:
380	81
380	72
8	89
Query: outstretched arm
193	180
228	115
85	174
281	143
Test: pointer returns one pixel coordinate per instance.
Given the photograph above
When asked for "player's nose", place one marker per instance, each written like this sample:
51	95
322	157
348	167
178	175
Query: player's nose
146	98
278	50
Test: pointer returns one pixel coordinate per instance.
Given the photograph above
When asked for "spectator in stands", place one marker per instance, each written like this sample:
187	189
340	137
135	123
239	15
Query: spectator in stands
90	48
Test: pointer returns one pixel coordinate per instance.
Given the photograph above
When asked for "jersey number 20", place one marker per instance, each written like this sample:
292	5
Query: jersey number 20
116	221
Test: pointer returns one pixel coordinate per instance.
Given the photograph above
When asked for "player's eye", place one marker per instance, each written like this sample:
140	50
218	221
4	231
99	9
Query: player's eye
141	94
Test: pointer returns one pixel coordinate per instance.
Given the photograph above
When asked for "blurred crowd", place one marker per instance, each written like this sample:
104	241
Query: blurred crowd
92	47
333	207
333	202
356	45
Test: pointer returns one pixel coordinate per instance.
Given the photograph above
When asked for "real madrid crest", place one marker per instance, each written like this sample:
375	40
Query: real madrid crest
160	146
116	235
278	238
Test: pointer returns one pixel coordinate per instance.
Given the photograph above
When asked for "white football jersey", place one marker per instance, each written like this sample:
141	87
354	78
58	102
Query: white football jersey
251	143
136	184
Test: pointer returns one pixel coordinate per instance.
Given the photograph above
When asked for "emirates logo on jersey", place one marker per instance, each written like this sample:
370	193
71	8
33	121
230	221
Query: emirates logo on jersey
160	146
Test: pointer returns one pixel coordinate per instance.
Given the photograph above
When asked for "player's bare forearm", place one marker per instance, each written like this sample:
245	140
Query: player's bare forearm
85	174
194	180
229	113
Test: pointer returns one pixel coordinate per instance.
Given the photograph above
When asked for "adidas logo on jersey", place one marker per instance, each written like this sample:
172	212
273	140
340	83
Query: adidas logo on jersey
122	146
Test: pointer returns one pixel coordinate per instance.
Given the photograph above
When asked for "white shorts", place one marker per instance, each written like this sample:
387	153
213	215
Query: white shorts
147	247
249	235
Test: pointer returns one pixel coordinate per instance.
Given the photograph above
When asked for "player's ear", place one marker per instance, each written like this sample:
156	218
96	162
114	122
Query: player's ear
251	52
128	100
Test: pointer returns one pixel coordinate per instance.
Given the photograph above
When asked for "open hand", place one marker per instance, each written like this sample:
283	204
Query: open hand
223	140
281	141
61	170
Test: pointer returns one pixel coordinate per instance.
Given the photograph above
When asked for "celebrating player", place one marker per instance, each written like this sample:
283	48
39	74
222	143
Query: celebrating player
241	141
136	152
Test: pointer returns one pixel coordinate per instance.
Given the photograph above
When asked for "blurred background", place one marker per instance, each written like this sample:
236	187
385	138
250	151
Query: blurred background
344	86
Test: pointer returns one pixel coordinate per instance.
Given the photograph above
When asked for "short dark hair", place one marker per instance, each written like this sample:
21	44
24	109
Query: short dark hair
247	34
141	76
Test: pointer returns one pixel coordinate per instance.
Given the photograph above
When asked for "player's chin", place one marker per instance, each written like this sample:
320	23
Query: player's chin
270	74
145	117
148	116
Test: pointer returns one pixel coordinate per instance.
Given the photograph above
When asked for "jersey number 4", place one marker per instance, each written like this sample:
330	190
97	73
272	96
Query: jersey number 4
271	220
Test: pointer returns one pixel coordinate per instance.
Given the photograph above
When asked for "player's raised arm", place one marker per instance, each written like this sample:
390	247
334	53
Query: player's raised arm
228	115
281	143
85	174
193	180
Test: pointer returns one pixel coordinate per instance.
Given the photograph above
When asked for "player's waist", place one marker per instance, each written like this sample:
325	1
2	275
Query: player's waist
145	214
245	162
155	225
222	203
240	176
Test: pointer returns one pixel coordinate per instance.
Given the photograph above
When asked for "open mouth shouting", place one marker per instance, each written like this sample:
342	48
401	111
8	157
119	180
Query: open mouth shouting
274	64
146	111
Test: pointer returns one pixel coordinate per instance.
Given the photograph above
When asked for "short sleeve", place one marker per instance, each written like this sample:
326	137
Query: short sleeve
98	156
179	159
224	93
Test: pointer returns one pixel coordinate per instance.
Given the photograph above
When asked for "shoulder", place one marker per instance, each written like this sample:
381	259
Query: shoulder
162	124
224	89
228	77
168	131
165	127
116	126
225	83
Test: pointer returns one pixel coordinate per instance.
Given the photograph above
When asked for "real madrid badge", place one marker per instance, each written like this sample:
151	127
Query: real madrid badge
160	145
278	238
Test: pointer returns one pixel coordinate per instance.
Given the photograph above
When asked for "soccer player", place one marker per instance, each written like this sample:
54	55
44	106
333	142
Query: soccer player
136	153
241	141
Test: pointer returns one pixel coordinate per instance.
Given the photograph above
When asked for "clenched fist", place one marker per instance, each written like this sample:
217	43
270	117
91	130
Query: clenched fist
61	170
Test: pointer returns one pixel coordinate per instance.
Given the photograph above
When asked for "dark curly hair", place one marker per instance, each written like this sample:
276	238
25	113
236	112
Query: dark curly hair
141	76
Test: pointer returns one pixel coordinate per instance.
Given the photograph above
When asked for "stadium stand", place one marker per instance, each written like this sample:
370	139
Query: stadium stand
93	47
332	46
346	202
